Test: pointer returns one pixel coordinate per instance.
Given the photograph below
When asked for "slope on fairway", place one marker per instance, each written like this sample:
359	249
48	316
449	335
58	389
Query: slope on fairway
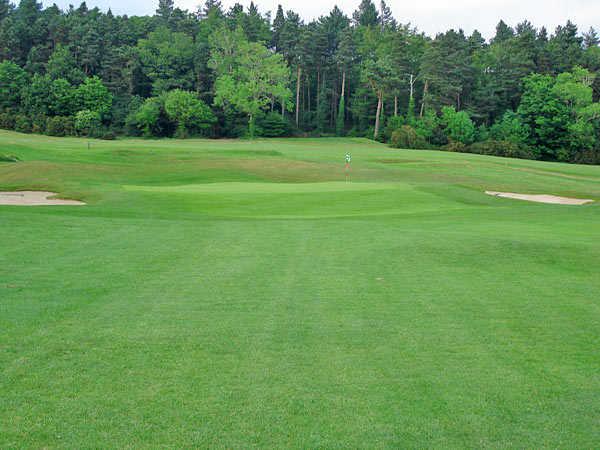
302	200
242	294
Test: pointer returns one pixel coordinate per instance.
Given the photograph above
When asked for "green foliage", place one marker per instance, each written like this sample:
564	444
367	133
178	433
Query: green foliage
64	98
88	123
508	149
167	59
13	80
108	136
455	146
366	15
273	125
191	115
56	63
447	66
545	115
150	117
38	123
482	133
94	96
340	123
37	95
60	126
458	125
379	73
62	65
510	128
7	121
410	114
250	79
427	125
407	137
22	124
561	114
393	123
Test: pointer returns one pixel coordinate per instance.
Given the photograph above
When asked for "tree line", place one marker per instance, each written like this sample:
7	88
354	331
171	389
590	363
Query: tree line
240	72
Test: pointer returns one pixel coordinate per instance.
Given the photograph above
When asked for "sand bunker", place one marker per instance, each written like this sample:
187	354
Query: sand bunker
552	199
34	198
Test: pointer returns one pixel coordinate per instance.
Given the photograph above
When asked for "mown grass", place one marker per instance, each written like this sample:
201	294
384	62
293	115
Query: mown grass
245	294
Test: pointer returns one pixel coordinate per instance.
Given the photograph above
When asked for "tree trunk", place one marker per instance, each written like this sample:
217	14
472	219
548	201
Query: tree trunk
332	108
425	90
379	106
343	92
318	100
458	101
395	106
319	106
308	91
298	96
251	126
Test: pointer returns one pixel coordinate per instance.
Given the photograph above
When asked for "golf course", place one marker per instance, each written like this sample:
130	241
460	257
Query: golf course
258	294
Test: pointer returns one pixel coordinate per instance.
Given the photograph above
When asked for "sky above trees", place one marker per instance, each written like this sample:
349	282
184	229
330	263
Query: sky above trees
431	16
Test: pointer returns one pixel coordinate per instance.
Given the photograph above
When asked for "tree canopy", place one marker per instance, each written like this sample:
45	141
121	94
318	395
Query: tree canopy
227	72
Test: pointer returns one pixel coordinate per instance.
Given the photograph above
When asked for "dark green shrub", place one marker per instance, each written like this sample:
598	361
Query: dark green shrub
7	121
22	124
587	157
38	124
273	125
356	132
108	136
506	149
407	137
88	123
455	146
60	126
393	123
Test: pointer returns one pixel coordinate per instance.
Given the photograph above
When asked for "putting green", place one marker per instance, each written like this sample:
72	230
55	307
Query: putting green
302	200
268	188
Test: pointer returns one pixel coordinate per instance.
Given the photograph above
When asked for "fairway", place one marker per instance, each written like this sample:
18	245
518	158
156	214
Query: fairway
242	294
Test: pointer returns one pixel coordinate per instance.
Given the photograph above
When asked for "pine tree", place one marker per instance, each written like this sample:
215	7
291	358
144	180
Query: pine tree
590	39
447	69
378	73
476	41
503	32
278	24
210	7
27	29
256	26
288	44
542	60
366	15
5	9
386	18
344	57
165	10
565	48
63	65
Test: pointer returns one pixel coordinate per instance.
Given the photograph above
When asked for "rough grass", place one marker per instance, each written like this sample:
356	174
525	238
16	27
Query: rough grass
244	294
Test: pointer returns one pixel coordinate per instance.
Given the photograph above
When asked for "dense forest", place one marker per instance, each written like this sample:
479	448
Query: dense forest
526	92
